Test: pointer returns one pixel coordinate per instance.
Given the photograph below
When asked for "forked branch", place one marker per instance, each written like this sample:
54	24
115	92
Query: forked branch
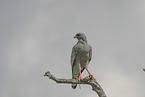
87	80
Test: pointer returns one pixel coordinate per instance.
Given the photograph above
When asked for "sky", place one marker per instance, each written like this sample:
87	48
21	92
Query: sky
36	36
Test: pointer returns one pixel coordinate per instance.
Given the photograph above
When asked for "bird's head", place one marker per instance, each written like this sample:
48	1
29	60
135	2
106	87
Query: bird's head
81	36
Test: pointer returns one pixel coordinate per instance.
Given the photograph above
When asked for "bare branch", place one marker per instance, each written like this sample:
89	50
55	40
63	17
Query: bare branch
87	80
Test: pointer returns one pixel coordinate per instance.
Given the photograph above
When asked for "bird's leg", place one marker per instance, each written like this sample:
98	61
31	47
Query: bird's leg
90	75
80	76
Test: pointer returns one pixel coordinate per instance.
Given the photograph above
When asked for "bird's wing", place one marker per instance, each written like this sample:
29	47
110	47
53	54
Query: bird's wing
75	65
90	53
73	58
73	55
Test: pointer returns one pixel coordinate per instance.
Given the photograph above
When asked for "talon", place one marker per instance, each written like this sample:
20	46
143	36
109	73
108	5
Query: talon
79	79
91	76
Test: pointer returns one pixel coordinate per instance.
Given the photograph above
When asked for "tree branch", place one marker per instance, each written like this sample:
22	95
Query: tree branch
87	80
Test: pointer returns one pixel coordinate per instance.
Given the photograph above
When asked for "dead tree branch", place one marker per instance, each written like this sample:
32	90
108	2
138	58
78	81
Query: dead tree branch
87	80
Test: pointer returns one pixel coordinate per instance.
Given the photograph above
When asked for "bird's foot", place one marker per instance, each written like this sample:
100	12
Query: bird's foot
91	76
79	79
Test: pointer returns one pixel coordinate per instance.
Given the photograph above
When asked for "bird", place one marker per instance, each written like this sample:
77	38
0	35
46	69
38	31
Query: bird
80	57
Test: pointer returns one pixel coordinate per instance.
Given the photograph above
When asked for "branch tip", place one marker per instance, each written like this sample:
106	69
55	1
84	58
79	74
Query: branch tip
87	80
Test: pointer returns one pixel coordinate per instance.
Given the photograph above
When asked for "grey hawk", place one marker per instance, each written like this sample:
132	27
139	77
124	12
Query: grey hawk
80	57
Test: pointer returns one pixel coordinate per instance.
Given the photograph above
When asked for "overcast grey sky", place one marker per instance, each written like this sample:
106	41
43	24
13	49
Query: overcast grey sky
37	36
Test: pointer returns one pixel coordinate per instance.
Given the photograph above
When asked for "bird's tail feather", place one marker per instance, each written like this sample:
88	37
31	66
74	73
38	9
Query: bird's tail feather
74	86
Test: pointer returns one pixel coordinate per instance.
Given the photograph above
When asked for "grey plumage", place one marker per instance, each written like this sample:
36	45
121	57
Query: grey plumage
80	57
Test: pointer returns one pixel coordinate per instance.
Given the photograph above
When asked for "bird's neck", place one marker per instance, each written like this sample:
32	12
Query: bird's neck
82	41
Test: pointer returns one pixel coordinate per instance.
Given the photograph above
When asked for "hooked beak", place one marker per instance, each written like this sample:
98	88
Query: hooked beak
75	36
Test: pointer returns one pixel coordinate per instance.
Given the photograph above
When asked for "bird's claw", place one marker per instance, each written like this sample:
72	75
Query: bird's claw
91	76
79	79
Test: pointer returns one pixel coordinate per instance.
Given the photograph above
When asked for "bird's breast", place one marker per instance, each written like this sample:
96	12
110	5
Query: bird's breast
83	53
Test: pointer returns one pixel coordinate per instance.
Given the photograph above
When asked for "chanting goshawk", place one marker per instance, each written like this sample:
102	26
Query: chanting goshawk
80	57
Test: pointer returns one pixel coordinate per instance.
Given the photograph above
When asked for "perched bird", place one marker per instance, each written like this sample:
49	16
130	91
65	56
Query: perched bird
80	57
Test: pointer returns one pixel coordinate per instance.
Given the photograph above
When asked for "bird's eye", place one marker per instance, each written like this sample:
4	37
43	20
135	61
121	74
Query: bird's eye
78	35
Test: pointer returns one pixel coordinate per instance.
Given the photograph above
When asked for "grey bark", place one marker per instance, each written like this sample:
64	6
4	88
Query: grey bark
87	80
